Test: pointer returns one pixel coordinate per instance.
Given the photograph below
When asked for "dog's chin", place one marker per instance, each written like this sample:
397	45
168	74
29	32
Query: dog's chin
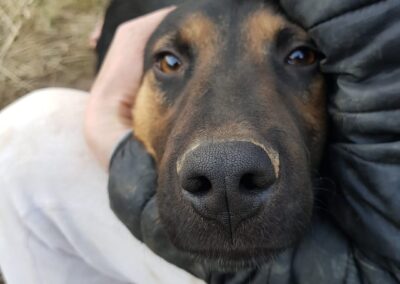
232	261
219	253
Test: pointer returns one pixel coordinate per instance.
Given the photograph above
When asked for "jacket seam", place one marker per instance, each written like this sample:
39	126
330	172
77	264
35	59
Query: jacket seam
361	158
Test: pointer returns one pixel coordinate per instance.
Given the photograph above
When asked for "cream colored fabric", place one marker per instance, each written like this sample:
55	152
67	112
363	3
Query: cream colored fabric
55	223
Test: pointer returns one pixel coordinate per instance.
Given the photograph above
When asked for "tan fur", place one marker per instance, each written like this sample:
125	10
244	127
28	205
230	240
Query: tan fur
200	31
149	113
260	28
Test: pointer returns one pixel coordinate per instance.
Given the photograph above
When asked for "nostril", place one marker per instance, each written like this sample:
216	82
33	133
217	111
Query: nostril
254	182
197	185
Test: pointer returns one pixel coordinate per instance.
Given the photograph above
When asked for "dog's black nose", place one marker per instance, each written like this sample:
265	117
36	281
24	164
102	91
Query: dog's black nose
228	181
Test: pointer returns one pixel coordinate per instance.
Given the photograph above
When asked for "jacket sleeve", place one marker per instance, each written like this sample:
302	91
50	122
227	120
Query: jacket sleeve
132	194
361	42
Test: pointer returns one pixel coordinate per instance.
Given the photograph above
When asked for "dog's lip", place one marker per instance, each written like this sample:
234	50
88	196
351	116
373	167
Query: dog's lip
227	260
240	253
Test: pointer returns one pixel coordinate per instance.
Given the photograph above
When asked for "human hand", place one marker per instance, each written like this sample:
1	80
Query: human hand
108	114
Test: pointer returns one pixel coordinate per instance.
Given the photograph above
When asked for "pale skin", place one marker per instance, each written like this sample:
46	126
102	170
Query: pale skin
108	114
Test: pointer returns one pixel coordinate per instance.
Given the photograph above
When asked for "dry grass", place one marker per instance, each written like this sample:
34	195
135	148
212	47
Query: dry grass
45	43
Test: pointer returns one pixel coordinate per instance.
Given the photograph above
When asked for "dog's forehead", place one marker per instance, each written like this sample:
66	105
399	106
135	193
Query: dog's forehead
212	23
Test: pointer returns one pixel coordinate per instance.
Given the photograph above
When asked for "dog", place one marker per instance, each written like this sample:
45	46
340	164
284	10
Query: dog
232	109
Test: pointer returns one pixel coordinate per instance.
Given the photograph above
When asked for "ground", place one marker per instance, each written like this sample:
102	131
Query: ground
45	43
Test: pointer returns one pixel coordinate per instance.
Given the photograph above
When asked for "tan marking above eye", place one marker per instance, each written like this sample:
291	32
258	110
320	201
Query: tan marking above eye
196	31
259	28
149	114
200	31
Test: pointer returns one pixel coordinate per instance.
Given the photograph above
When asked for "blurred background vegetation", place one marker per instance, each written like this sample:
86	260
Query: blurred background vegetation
45	43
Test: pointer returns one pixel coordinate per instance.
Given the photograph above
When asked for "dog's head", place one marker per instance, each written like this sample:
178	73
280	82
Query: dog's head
232	109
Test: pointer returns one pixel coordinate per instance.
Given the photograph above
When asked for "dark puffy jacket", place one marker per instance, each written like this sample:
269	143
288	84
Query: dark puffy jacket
356	238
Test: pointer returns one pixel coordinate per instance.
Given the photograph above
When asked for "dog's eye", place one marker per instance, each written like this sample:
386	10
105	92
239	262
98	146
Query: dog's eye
168	63
302	56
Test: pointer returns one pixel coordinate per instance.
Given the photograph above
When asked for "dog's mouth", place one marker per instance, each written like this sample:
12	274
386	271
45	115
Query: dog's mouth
251	245
230	261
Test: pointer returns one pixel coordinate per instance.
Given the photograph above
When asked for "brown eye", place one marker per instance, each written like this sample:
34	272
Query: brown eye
302	56
169	63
